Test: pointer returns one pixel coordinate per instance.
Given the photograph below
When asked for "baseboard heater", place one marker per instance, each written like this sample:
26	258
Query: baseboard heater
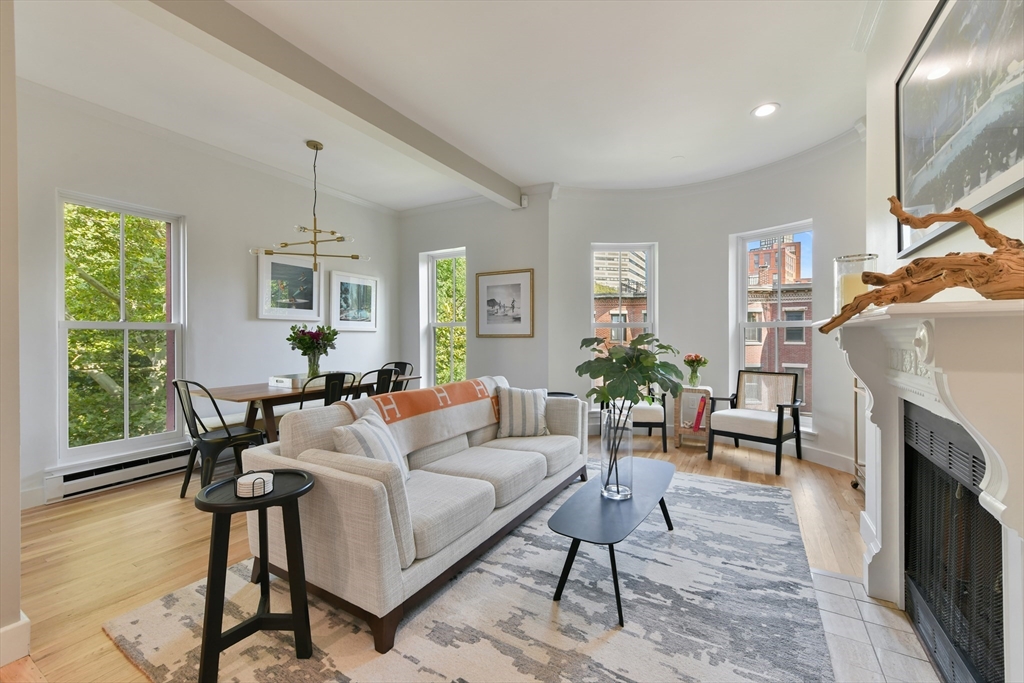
64	486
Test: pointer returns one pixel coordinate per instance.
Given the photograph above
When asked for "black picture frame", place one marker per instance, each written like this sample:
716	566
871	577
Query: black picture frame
960	115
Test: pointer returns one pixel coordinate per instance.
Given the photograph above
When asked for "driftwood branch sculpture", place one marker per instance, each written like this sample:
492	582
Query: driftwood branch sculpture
999	275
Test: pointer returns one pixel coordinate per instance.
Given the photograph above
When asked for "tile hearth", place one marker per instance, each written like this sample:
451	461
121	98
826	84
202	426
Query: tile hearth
869	640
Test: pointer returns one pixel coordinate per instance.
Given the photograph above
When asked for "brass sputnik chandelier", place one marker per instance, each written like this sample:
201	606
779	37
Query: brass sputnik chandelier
319	236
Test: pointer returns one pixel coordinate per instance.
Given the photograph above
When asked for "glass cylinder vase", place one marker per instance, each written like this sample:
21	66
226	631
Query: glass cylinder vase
694	378
617	453
848	283
312	365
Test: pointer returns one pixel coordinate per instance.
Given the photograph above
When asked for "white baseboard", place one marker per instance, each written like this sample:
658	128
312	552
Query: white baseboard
836	461
32	498
14	639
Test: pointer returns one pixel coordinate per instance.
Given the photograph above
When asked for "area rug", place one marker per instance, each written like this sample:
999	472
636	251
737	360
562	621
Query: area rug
727	596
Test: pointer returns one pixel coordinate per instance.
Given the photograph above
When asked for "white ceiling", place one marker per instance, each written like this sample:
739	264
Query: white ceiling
585	94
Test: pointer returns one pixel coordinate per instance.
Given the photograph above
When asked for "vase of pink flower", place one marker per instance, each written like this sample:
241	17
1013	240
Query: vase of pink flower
695	362
312	343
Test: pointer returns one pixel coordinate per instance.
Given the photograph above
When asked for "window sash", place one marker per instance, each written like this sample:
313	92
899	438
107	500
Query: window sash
649	322
175	289
433	323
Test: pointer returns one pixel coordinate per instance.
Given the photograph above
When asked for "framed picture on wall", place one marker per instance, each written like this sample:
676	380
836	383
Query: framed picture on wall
289	288
960	114
353	301
504	303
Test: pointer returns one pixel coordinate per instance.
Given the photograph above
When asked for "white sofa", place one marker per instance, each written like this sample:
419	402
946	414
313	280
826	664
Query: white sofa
375	544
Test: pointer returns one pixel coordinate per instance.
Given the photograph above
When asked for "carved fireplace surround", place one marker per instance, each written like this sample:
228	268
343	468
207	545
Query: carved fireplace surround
963	361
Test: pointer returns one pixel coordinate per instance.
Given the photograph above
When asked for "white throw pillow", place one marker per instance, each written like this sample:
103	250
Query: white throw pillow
521	412
370	436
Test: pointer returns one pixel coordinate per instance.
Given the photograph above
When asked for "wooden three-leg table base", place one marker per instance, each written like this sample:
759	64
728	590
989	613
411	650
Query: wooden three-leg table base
219	499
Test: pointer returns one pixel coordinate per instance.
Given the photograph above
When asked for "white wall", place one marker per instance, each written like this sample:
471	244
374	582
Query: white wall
229	207
692	226
495	238
14	630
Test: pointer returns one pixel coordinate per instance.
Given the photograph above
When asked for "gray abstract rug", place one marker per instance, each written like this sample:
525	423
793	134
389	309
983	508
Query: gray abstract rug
727	596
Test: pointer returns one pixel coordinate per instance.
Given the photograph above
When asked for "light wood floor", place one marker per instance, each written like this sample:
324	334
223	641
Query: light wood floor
88	560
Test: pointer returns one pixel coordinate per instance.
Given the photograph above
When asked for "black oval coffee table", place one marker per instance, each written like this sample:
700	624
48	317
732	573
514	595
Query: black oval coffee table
220	499
589	516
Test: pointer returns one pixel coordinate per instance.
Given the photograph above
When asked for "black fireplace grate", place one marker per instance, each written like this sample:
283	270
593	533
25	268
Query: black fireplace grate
953	550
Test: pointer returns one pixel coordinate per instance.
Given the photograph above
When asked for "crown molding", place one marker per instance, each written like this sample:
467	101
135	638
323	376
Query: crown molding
61	99
444	206
825	149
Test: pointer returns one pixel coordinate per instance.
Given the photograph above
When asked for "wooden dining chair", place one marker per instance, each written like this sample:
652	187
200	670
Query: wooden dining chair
208	444
337	385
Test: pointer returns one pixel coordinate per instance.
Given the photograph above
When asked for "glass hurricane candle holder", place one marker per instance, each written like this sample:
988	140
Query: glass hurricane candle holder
848	271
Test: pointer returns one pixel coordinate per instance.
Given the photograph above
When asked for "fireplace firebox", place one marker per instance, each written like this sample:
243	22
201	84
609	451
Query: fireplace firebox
953	548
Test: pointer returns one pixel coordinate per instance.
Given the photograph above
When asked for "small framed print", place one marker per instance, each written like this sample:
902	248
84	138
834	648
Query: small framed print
353	301
504	303
289	288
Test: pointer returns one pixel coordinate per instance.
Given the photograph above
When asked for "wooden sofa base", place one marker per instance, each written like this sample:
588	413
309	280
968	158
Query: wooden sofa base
385	627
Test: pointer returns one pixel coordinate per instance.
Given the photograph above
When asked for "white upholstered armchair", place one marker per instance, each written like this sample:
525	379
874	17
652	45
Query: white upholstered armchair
763	409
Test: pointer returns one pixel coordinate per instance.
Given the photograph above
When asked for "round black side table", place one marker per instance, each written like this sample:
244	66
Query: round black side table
220	499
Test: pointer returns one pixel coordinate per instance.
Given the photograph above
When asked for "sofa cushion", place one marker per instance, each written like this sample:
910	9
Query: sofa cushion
478	437
752	422
424	456
387	473
558	450
301	430
521	412
369	436
511	473
444	508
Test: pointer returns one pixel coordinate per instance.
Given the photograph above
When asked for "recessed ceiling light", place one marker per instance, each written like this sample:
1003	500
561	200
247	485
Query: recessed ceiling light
767	109
938	72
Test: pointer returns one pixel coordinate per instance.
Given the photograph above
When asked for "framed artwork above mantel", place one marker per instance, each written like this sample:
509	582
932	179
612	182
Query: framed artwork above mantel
960	114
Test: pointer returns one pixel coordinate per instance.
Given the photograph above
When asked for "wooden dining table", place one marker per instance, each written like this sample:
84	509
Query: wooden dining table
264	398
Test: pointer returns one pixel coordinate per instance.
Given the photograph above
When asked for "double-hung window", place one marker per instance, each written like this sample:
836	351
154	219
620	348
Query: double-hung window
775	303
121	329
622	286
447	286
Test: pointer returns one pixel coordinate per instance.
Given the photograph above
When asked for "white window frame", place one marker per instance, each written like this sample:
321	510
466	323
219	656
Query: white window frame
651	324
129	447
432	323
741	284
801	377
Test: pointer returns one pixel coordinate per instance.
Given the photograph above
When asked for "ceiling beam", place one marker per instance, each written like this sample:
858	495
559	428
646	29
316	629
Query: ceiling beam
234	36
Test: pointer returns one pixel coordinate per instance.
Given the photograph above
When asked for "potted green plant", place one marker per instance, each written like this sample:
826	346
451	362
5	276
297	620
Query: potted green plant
628	373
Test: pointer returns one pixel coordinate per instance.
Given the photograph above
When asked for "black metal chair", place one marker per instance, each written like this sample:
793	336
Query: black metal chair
209	444
651	415
337	385
381	380
404	370
757	412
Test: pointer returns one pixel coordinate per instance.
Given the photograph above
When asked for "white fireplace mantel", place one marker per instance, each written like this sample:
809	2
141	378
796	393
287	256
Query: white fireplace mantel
963	361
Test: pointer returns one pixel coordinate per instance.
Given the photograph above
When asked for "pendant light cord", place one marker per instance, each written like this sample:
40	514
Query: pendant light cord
315	153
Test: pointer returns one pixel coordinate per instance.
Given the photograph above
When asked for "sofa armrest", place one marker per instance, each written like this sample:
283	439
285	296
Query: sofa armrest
348	542
267	449
566	415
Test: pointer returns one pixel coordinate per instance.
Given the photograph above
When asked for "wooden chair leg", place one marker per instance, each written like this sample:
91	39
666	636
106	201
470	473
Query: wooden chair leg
778	458
664	439
799	450
711	443
736	443
650	431
188	470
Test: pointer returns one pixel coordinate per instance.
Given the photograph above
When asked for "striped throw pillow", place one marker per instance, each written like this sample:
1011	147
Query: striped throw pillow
370	436
521	412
